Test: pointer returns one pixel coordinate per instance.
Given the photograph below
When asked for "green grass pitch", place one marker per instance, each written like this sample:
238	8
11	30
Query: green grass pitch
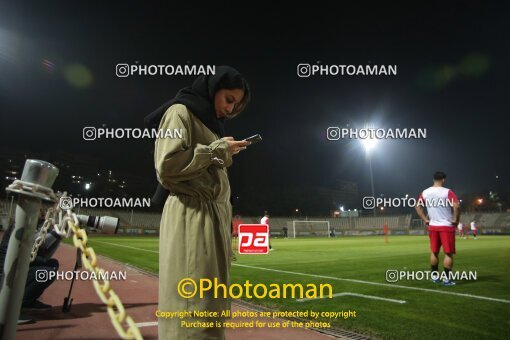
461	312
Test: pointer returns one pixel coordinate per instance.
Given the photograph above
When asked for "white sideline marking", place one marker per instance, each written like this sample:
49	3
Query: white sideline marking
377	283
341	279
146	324
121	245
355	294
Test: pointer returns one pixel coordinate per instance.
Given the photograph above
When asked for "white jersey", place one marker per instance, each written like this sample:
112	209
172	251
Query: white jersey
473	226
439	202
264	220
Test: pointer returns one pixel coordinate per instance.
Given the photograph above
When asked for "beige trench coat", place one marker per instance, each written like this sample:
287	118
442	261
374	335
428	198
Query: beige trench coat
195	225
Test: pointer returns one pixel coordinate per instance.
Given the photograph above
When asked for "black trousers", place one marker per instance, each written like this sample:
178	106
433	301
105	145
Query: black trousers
38	279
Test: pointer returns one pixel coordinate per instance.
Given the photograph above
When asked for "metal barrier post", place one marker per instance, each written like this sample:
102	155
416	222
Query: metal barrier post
35	184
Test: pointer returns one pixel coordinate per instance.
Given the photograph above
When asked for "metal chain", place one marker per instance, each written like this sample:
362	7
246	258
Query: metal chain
48	222
67	224
31	187
49	218
114	306
61	227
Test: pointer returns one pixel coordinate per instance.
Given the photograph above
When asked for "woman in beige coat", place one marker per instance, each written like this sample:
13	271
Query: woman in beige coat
195	224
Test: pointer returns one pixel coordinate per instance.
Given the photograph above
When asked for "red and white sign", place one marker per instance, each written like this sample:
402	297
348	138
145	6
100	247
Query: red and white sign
253	239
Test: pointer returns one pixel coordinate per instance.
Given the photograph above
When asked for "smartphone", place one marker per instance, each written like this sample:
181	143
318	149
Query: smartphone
254	139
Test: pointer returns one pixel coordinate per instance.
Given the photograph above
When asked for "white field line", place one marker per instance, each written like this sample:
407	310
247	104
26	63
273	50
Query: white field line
123	246
146	324
354	294
342	279
377	284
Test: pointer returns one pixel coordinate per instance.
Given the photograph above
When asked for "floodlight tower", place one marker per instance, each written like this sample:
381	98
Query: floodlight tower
369	145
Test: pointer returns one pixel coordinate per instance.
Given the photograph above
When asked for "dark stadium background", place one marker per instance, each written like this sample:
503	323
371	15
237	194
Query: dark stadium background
452	80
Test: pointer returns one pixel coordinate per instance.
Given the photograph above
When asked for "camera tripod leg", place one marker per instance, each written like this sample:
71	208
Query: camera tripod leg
66	307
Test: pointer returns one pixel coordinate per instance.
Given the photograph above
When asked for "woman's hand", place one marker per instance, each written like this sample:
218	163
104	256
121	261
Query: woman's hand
234	147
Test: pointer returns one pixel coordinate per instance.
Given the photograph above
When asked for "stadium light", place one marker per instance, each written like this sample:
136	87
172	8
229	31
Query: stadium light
87	186
369	144
480	200
342	208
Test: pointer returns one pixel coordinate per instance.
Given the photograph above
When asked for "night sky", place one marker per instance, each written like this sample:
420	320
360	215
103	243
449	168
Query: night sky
57	75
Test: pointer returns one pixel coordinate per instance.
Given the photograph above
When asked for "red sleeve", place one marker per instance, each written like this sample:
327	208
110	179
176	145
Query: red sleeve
420	200
452	197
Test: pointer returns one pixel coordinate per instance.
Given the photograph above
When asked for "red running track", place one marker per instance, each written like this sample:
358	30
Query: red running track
88	318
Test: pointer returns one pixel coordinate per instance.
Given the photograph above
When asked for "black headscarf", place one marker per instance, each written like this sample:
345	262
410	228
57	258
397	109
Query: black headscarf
199	99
